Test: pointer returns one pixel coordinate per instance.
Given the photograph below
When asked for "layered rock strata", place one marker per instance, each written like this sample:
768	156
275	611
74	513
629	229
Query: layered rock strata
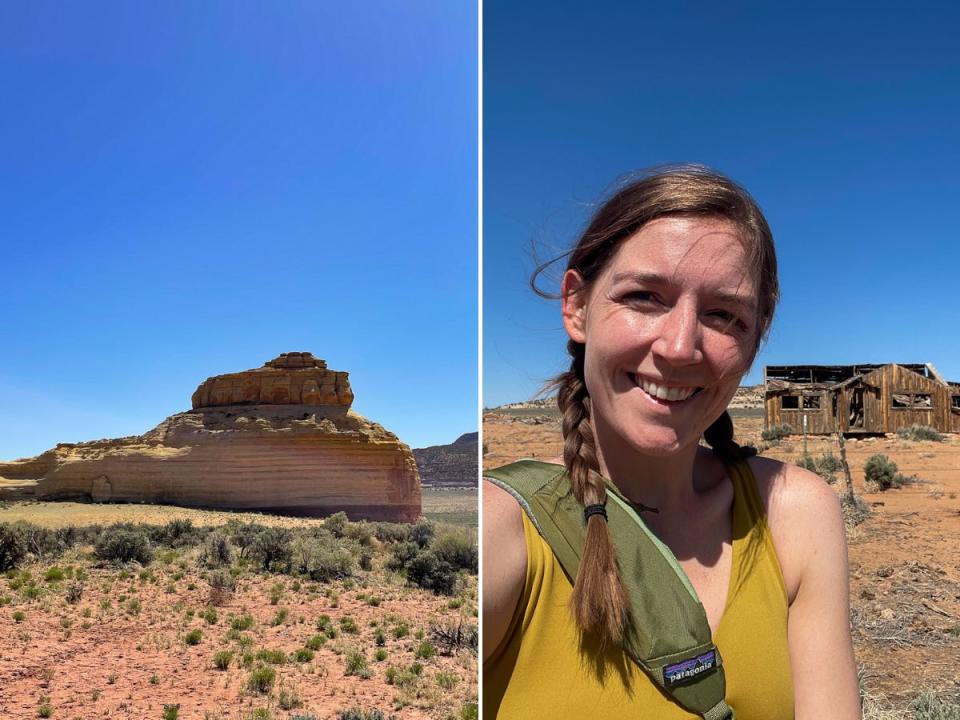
302	453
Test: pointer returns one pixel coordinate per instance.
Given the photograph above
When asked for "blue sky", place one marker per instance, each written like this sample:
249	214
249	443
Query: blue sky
189	189
843	122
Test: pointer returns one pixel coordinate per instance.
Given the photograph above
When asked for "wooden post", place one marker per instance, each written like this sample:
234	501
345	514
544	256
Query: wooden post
846	468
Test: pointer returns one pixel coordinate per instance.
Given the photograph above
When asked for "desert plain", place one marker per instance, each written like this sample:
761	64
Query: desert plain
184	638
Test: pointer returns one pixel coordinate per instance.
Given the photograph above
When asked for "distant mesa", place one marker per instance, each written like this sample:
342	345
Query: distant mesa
449	466
280	438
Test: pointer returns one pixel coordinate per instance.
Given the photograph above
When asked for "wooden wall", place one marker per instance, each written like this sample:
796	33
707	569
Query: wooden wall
879	415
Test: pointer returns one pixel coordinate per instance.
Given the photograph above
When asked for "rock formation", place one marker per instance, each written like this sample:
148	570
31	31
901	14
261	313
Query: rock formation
280	438
453	465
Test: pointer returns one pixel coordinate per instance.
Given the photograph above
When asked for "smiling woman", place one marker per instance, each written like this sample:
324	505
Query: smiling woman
646	573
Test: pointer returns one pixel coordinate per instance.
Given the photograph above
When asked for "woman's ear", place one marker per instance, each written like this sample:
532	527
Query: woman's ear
573	306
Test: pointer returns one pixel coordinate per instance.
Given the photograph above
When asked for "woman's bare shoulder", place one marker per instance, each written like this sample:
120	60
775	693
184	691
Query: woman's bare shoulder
803	514
504	563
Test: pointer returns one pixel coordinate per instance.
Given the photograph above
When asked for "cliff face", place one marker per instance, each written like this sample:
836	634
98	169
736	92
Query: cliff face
453	465
232	452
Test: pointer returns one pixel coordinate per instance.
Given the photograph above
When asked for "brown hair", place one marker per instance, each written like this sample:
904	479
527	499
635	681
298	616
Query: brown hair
599	602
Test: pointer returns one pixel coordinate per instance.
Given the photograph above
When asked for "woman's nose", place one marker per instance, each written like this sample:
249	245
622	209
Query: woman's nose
678	341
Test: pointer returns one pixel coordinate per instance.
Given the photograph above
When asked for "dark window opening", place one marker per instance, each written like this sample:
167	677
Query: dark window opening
955	402
789	402
811	402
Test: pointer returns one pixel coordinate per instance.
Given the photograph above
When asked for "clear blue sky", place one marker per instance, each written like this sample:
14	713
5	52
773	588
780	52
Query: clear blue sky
189	189
843	120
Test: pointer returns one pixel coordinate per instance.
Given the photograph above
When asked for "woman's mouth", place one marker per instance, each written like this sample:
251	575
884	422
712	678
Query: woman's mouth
662	393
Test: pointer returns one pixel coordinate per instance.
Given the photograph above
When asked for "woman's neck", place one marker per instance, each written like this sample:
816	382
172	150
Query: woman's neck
673	483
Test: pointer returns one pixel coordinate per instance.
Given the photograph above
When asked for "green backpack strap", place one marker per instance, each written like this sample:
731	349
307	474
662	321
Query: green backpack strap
668	635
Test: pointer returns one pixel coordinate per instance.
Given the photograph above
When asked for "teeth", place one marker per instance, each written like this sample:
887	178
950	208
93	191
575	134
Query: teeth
673	394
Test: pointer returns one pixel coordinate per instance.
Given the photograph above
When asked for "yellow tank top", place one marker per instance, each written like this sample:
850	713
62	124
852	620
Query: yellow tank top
541	669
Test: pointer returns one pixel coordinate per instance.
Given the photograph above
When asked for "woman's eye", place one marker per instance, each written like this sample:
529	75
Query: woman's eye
640	297
727	320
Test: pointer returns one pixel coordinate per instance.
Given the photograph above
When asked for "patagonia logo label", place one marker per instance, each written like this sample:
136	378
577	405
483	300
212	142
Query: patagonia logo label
689	670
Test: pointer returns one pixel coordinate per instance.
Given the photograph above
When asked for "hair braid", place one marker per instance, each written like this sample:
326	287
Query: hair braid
719	437
599	602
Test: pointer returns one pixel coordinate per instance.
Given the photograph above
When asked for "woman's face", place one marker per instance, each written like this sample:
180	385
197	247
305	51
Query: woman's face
669	328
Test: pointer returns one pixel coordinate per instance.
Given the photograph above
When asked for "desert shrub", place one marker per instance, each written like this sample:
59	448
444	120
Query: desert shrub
927	706
243	535
273	657
244	622
360	532
261	679
222	586
193	637
316	642
171	712
882	470
120	544
336	524
422	533
324	624
74	592
357	665
210	615
425	650
322	557
216	551
776	433
349	625
358	714
469	711
303	655
54	574
429	571
280	618
271	548
387	532
401	554
222	660
289	697
920	432
458	549
13	546
179	532
825	466
450	637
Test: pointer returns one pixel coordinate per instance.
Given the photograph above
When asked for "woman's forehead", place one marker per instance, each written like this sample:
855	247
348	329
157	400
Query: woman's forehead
685	250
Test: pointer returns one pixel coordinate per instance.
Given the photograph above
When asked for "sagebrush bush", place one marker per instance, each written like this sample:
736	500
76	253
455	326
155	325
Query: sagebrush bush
13	546
120	544
920	432
457	548
322	557
271	548
216	551
776	433
336	524
179	532
883	471
422	533
387	532
261	679
429	571
927	706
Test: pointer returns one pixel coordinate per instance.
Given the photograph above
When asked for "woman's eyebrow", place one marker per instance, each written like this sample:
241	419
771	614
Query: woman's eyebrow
656	279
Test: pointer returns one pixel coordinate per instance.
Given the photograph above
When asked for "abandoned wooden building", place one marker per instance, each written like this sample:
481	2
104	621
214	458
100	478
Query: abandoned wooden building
860	398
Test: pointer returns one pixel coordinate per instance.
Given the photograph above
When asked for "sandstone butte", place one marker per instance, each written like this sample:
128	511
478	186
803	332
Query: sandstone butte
280	439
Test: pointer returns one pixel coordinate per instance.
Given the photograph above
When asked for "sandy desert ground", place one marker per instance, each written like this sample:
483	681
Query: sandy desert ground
904	558
144	641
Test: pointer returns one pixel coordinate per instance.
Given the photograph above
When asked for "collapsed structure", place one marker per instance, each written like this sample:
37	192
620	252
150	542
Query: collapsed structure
280	438
825	399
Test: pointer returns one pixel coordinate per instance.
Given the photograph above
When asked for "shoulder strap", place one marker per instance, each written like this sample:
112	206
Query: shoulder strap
668	634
